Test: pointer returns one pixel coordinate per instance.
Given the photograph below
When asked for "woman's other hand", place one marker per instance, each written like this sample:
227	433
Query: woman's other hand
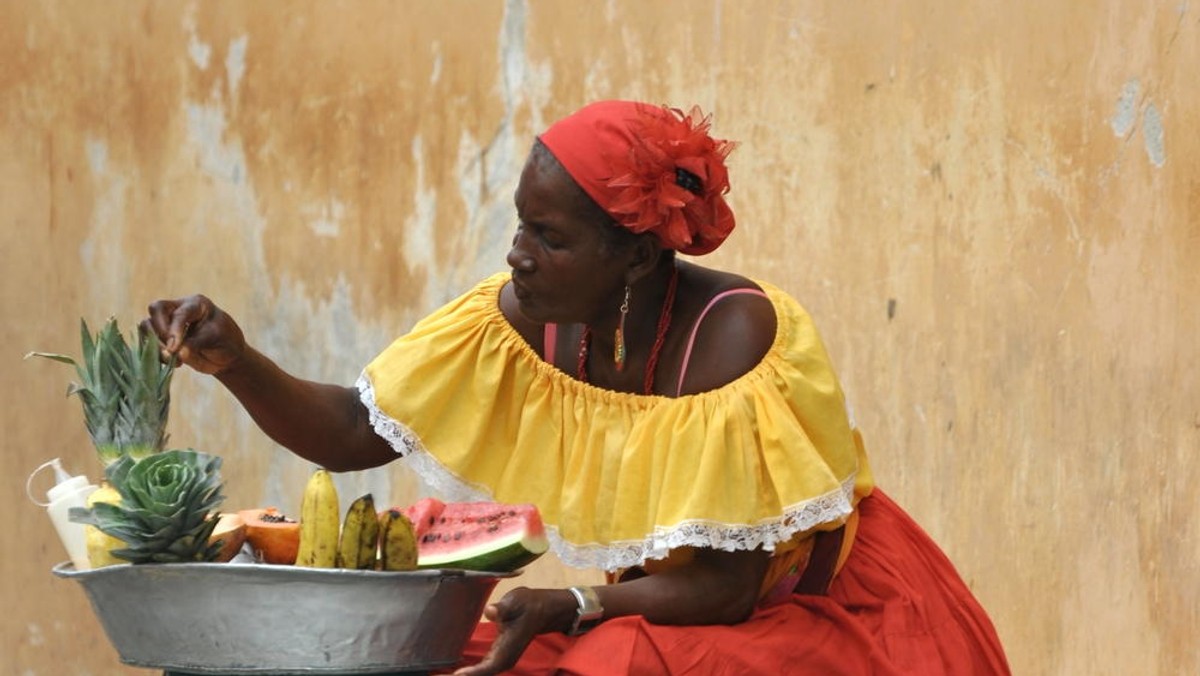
520	615
196	332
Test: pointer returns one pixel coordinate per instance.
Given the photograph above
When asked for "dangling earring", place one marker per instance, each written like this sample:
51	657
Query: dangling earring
619	338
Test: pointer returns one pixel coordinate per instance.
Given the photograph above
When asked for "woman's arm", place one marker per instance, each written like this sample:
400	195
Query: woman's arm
716	587
326	424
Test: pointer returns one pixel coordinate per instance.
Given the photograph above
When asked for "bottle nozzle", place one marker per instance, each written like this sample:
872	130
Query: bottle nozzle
60	474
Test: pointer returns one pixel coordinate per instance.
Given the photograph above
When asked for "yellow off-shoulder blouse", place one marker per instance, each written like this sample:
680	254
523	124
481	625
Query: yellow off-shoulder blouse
622	480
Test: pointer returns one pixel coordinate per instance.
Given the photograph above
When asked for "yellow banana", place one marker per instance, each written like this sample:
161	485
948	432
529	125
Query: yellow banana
397	542
319	522
360	535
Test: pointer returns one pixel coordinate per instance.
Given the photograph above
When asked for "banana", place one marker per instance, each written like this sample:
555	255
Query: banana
397	542
319	522
360	535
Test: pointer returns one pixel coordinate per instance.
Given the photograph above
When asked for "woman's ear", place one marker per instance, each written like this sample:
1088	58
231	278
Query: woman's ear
646	254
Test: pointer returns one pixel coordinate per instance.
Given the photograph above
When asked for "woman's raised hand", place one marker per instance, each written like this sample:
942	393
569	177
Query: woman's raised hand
196	332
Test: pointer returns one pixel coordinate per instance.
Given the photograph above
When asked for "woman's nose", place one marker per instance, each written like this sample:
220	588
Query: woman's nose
517	259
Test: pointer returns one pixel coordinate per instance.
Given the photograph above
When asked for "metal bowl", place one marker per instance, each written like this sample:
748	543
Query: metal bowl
250	618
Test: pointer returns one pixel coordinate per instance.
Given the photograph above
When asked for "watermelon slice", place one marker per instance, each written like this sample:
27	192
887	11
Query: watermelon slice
423	514
485	536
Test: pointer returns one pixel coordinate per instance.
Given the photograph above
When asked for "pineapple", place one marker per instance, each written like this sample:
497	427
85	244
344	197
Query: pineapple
167	508
99	544
125	390
158	506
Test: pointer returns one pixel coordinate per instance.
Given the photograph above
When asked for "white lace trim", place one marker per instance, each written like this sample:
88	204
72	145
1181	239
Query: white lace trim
830	507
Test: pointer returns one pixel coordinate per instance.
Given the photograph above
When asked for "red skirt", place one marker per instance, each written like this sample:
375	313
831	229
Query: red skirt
898	606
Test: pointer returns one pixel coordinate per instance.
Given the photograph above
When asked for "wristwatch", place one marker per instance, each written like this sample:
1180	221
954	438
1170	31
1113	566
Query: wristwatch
589	613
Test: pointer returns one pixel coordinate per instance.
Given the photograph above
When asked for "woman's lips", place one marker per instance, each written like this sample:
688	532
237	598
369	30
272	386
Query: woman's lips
520	291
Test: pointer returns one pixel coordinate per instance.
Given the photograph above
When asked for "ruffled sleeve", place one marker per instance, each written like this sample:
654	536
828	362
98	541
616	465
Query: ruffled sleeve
621	478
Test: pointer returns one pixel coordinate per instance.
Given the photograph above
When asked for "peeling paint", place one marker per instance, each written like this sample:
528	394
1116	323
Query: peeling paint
435	73
512	46
235	64
199	51
420	252
101	251
1126	114
97	154
328	219
206	125
1152	135
35	635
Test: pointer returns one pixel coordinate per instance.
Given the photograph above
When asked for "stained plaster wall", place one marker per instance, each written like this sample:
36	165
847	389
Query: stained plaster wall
990	208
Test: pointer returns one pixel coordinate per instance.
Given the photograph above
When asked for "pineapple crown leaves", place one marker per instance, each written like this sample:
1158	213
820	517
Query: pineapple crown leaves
125	390
168	507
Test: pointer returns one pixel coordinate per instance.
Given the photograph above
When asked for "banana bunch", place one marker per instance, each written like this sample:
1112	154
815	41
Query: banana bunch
364	541
320	522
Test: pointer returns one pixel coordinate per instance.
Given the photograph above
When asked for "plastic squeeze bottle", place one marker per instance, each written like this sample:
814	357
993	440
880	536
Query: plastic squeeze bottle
67	492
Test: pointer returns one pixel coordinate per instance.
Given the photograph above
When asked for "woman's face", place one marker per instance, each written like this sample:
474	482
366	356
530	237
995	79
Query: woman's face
564	271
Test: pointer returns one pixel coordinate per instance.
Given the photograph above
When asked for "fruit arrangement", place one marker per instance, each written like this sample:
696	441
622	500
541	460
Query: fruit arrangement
155	505
482	536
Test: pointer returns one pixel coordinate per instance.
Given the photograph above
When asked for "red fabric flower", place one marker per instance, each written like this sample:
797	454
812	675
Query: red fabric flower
651	197
628	157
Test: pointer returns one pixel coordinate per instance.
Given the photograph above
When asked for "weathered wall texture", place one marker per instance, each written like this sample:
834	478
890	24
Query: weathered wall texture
991	209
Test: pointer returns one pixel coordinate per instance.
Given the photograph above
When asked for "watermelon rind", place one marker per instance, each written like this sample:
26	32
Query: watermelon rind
500	555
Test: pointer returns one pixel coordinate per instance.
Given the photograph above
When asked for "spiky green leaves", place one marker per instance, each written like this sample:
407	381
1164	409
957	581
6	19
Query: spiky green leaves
168	507
125	390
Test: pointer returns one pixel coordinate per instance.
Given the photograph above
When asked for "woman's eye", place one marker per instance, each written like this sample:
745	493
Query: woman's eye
550	239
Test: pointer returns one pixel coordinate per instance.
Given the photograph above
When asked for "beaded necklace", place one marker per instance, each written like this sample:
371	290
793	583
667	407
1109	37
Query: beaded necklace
664	321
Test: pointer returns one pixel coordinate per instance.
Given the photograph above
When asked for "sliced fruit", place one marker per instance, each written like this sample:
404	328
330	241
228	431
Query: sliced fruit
274	536
423	514
230	531
99	544
485	536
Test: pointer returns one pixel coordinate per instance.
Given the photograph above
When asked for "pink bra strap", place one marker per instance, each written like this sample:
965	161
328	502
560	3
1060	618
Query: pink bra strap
549	340
687	355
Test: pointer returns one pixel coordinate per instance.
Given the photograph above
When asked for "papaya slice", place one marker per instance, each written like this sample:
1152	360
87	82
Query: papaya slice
231	532
274	536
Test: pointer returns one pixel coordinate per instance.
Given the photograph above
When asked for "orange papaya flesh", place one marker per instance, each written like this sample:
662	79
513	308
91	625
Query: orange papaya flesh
230	531
274	536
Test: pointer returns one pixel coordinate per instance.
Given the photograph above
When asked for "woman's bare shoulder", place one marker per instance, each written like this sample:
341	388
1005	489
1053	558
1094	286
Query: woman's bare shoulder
728	338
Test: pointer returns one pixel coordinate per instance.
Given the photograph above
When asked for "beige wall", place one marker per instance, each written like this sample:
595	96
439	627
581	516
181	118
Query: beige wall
991	209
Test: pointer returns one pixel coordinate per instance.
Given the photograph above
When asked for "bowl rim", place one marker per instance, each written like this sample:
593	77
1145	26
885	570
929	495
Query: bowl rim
66	569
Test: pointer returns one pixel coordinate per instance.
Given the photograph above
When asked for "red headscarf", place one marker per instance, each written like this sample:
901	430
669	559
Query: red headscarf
653	169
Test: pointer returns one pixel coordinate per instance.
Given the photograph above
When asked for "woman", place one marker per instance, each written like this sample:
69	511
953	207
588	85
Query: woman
677	426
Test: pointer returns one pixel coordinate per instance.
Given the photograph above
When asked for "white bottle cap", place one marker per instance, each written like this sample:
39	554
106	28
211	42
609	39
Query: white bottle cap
65	484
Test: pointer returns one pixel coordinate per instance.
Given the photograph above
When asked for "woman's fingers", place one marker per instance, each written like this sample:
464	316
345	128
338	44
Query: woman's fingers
511	641
193	310
172	320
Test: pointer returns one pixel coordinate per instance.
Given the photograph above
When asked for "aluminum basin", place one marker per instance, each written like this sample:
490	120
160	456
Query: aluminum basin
250	618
